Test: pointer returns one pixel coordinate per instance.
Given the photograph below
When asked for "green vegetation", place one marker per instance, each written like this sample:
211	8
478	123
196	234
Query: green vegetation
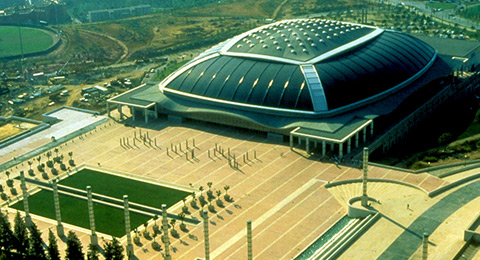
169	68
438	5
471	13
34	40
80	8
473	129
115	186
74	211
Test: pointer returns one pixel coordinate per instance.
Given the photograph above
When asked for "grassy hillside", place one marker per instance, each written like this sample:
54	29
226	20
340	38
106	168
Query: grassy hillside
80	9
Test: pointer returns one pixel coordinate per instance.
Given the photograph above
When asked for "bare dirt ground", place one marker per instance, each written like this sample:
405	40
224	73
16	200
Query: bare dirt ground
14	127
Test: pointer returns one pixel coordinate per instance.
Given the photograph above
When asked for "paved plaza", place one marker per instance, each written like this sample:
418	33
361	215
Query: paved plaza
280	190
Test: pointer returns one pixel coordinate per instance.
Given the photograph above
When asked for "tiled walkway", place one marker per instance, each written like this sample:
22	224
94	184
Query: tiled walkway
281	191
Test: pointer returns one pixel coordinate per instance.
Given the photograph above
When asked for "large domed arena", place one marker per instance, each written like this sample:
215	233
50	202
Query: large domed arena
302	68
312	80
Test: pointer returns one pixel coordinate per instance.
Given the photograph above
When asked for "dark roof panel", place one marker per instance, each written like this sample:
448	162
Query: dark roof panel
345	81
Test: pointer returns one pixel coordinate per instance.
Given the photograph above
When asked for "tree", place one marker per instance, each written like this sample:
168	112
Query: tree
173	222
8	174
226	196
193	203
92	253
181	217
52	251
39	158
36	250
113	250
30	164
74	247
6	234
48	154
173	232
21	235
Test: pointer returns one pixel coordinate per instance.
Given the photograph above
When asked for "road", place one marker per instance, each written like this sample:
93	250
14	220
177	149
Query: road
445	16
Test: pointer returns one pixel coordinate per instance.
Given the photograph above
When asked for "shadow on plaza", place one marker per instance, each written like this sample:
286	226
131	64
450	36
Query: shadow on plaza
406	229
213	128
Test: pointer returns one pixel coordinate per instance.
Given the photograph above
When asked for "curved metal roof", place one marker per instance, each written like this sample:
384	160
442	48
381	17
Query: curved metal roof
391	60
349	69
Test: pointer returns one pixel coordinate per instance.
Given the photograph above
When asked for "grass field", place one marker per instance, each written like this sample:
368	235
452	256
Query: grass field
114	186
438	5
33	39
472	13
74	211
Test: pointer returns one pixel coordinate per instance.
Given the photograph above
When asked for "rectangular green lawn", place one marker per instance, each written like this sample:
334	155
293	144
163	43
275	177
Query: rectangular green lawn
108	220
115	186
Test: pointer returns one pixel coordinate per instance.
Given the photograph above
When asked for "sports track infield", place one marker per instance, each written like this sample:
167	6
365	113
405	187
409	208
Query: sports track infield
33	40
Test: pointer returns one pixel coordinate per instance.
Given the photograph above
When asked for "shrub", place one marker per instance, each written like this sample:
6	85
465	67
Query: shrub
202	200
146	234
431	159
183	227
63	167
13	191
136	240
227	198
210	194
185	209
40	167
445	138
211	208
193	203
71	162
4	196
220	203
30	172
10	183
156	246
50	164
54	171
156	229
174	233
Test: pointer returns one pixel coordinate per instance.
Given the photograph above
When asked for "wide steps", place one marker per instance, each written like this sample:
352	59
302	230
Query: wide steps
344	238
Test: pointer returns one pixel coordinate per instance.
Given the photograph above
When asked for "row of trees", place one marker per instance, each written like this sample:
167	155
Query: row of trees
26	243
51	163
